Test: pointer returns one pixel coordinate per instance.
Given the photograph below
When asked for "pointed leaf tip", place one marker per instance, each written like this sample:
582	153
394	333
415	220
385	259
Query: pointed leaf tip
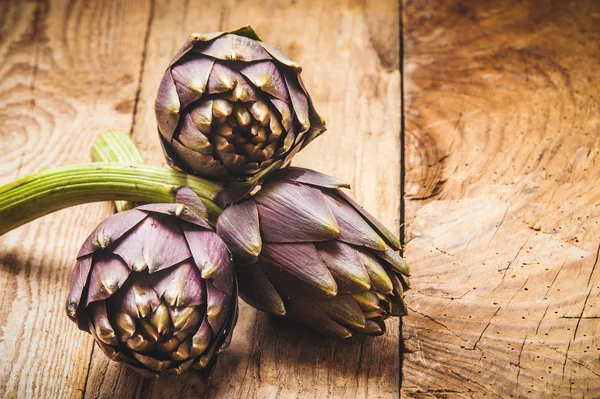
238	226
291	212
308	176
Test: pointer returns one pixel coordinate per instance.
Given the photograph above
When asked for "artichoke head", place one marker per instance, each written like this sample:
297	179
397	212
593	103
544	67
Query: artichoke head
230	106
305	250
155	287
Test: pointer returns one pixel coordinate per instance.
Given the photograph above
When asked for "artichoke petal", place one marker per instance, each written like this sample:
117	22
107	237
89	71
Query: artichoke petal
345	265
266	76
211	257
183	351
107	277
180	285
99	318
185	366
399	308
299	100
395	260
156	243
181	210
161	320
79	278
281	57
285	112
199	214
216	311
137	343
152	363
298	263
201	116
190	79
110	351
205	165
308	176
391	238
222	79
353	228
309	314
124	325
148	331
202	338
190	326
287	222
110	230
231	47
368	301
343	309
193	138
373	327
168	346
167	107
257	290
137	298
379	277
238	227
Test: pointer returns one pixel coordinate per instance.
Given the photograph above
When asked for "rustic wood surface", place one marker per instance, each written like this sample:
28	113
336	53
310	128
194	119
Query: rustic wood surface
73	69
501	140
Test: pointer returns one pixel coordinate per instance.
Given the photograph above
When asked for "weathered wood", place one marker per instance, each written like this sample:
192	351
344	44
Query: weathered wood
68	71
503	218
351	69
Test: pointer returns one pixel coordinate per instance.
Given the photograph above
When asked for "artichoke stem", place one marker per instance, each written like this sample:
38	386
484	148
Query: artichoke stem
117	146
52	189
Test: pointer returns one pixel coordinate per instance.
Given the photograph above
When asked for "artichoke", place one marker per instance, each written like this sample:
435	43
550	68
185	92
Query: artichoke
155	287
305	250
229	106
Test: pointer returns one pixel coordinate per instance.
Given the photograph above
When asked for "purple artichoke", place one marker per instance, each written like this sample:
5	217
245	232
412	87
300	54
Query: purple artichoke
304	250
155	287
230	106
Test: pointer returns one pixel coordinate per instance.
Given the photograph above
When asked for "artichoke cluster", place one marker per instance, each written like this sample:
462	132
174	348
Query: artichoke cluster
157	285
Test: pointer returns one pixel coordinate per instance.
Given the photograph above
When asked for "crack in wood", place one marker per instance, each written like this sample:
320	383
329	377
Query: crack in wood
566	355
486	327
499	225
443	326
87	375
588	294
142	65
537	328
514	259
519	363
555	277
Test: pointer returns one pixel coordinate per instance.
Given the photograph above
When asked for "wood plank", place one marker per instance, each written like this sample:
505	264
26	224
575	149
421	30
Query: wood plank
503	218
69	71
350	54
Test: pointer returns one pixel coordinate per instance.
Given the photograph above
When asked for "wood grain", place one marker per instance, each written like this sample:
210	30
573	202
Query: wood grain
351	69
68	71
71	70
502	130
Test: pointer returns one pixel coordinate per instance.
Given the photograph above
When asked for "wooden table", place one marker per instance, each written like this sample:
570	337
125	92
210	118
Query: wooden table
484	114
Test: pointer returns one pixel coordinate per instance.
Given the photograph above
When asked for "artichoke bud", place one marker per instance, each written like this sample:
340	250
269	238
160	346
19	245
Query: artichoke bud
160	317
215	93
304	250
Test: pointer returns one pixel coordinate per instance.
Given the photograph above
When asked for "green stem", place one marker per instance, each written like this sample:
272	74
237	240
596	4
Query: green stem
117	146
51	189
